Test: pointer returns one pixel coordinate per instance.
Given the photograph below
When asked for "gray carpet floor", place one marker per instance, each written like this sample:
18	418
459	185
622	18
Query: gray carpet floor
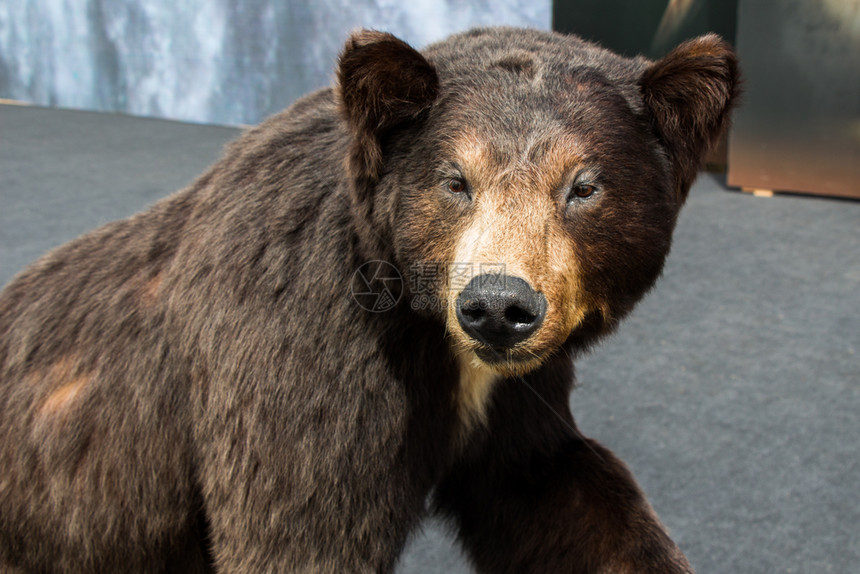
733	391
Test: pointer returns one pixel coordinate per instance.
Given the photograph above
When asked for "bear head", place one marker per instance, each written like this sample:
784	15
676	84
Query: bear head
529	180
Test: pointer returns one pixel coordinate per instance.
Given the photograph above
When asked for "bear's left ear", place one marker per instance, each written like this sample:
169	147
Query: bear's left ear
382	83
689	95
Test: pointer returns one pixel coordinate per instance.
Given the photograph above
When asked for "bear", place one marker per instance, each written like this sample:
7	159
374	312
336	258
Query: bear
203	387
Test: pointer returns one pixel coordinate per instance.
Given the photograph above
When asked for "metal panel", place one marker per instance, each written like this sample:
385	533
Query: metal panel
647	27
798	128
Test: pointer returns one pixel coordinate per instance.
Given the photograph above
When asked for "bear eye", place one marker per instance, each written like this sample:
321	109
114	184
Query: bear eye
458	185
581	190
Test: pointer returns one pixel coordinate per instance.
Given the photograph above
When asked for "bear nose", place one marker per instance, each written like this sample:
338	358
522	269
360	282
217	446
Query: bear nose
500	310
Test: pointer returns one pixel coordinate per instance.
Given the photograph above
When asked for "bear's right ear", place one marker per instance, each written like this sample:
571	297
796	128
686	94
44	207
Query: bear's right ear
382	83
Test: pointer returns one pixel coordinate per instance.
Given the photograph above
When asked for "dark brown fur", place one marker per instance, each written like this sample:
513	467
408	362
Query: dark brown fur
193	389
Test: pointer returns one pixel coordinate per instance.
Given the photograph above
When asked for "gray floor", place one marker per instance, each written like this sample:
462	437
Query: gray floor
733	391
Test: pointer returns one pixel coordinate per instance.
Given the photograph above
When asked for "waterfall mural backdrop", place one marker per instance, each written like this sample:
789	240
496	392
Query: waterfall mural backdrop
212	61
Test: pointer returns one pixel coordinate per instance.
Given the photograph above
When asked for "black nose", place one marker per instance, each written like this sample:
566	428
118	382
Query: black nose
500	310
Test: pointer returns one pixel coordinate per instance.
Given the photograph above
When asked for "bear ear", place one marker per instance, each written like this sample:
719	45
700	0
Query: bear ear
382	83
689	95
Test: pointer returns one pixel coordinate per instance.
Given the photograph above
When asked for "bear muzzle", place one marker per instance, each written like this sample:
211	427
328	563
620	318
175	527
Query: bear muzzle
499	312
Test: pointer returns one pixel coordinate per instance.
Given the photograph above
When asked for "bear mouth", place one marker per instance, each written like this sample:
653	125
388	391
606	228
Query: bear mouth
509	362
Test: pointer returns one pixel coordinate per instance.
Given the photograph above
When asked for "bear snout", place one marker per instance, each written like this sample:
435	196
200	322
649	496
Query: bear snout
500	311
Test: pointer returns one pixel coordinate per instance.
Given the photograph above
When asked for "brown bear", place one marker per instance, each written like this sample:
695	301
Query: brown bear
200	388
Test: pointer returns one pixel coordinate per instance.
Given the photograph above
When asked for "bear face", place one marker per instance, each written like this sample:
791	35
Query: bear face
539	174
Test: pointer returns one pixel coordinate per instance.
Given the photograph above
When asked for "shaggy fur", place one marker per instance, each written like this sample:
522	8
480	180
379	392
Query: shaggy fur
193	389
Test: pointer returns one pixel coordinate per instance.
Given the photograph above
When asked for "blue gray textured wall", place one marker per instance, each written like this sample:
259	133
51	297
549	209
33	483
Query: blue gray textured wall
214	61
